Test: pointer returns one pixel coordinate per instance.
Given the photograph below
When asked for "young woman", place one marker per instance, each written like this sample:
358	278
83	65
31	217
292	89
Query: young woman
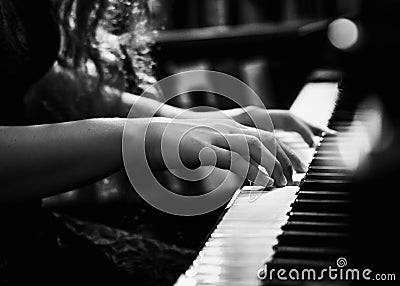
39	161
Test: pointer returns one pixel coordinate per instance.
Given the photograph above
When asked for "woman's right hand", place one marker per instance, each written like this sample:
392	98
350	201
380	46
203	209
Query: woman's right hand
222	143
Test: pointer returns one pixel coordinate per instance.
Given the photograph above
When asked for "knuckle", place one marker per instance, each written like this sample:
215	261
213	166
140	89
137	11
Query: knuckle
225	159
253	141
235	158
227	155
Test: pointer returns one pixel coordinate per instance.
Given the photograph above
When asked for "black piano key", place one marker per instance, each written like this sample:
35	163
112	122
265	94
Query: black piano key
318	217
330	169
327	153
326	185
328	176
350	133
313	253
314	239
318	195
350	138
340	117
337	122
331	206
316	226
285	263
326	158
328	147
303	249
341	127
328	161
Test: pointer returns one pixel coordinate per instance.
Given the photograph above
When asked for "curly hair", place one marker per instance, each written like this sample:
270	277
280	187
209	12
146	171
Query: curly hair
125	34
105	50
79	20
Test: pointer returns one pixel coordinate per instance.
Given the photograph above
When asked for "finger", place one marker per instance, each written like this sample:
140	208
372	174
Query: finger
267	138
283	165
304	130
244	167
316	130
251	146
298	165
262	152
319	131
286	164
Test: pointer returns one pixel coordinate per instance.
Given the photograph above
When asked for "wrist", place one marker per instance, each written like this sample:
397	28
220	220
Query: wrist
143	136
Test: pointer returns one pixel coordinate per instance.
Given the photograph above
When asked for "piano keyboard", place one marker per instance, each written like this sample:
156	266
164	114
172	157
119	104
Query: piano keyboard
286	228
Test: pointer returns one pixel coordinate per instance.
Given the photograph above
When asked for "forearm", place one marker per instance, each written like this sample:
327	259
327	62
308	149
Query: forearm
141	107
40	161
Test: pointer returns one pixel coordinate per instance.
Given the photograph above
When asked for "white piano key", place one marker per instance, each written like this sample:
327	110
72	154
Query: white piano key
309	100
243	240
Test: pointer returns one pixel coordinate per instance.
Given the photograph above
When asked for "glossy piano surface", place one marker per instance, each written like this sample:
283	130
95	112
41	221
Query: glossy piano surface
286	227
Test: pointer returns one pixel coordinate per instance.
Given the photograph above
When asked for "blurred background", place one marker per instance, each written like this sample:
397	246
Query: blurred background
270	45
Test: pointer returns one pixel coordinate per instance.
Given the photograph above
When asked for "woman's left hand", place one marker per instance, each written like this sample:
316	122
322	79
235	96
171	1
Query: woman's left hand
281	119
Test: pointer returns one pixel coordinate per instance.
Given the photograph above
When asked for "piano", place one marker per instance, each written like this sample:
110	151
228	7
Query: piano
296	227
343	213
